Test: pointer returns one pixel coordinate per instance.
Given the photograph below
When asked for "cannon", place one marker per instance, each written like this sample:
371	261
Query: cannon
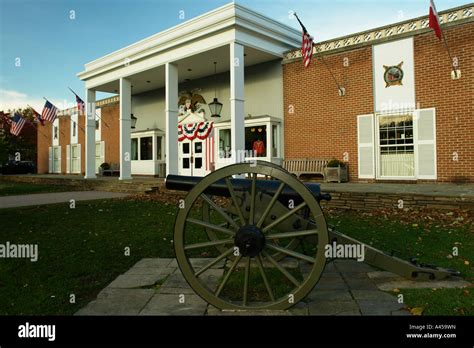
260	221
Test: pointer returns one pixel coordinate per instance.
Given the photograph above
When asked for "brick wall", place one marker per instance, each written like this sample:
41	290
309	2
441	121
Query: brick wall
110	134
324	125
453	99
44	140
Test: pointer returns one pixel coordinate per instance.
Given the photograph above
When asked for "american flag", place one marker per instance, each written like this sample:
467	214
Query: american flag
306	45
38	118
49	112
17	124
81	106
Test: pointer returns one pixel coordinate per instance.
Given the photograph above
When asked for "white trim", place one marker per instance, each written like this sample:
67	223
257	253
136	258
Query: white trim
359	145
227	17
378	176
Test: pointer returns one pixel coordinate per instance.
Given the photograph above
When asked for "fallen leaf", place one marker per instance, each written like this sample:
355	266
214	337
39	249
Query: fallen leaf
417	310
466	263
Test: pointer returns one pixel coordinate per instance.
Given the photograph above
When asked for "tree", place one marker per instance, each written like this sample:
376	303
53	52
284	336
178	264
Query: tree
24	144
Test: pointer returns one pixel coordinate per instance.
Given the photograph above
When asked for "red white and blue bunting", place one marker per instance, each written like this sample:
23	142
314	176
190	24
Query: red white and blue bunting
191	131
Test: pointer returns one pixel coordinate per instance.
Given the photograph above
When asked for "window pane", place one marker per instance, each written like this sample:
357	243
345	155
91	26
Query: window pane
197	147
197	162
185	147
186	163
134	149
256	141
146	148
97	150
158	148
224	144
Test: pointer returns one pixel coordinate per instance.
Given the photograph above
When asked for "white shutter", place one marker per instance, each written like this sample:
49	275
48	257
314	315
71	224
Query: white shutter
50	159
425	143
68	159
79	158
59	159
365	139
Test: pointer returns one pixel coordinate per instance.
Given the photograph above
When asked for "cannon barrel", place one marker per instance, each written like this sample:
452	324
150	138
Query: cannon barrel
219	188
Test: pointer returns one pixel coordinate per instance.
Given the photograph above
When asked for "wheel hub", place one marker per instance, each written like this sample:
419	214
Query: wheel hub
250	240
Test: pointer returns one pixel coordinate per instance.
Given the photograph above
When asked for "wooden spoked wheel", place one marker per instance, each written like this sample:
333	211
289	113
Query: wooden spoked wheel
259	249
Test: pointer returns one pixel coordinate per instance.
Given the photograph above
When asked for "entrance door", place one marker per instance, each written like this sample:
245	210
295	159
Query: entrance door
192	157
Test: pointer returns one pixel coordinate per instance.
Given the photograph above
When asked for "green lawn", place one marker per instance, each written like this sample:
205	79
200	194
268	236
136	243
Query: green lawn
20	188
82	250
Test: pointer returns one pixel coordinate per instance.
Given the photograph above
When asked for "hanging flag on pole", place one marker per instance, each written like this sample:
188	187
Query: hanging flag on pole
307	53
17	124
37	115
81	106
50	112
434	20
434	23
306	45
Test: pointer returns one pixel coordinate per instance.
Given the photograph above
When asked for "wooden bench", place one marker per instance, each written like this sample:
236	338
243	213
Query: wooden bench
305	166
114	169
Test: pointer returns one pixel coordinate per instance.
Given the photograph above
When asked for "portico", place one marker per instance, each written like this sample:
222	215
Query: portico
151	74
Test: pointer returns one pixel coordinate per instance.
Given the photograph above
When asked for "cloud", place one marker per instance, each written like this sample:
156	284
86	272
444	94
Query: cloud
11	99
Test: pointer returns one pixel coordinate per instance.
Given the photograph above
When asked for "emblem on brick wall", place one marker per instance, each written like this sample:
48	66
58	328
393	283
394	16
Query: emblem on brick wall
393	75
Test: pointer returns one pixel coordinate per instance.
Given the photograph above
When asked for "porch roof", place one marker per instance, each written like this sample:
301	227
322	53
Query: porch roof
266	39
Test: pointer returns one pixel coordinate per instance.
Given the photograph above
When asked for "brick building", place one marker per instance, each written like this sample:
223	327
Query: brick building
403	116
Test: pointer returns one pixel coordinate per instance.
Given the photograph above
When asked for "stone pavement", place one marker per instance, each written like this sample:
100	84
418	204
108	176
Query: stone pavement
56	197
155	287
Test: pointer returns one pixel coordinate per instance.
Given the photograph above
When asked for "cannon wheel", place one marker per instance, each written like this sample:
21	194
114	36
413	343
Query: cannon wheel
291	244
252	242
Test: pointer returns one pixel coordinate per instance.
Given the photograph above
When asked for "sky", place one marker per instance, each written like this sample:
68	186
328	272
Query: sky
45	43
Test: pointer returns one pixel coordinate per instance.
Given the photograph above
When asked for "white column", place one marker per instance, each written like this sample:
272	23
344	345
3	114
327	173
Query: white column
171	72
90	135
125	129
237	102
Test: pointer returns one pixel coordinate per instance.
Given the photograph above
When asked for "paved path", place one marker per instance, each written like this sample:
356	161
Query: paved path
56	197
154	286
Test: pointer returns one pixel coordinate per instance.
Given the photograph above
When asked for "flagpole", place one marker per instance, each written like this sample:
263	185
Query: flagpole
86	107
321	57
449	52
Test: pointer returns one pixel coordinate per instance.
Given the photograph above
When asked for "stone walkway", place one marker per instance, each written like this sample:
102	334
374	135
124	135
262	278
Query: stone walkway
56	197
155	287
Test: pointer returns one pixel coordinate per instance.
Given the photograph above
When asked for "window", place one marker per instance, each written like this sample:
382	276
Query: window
55	136
159	154
224	143
275	140
134	149
146	148
396	146
97	124
256	141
